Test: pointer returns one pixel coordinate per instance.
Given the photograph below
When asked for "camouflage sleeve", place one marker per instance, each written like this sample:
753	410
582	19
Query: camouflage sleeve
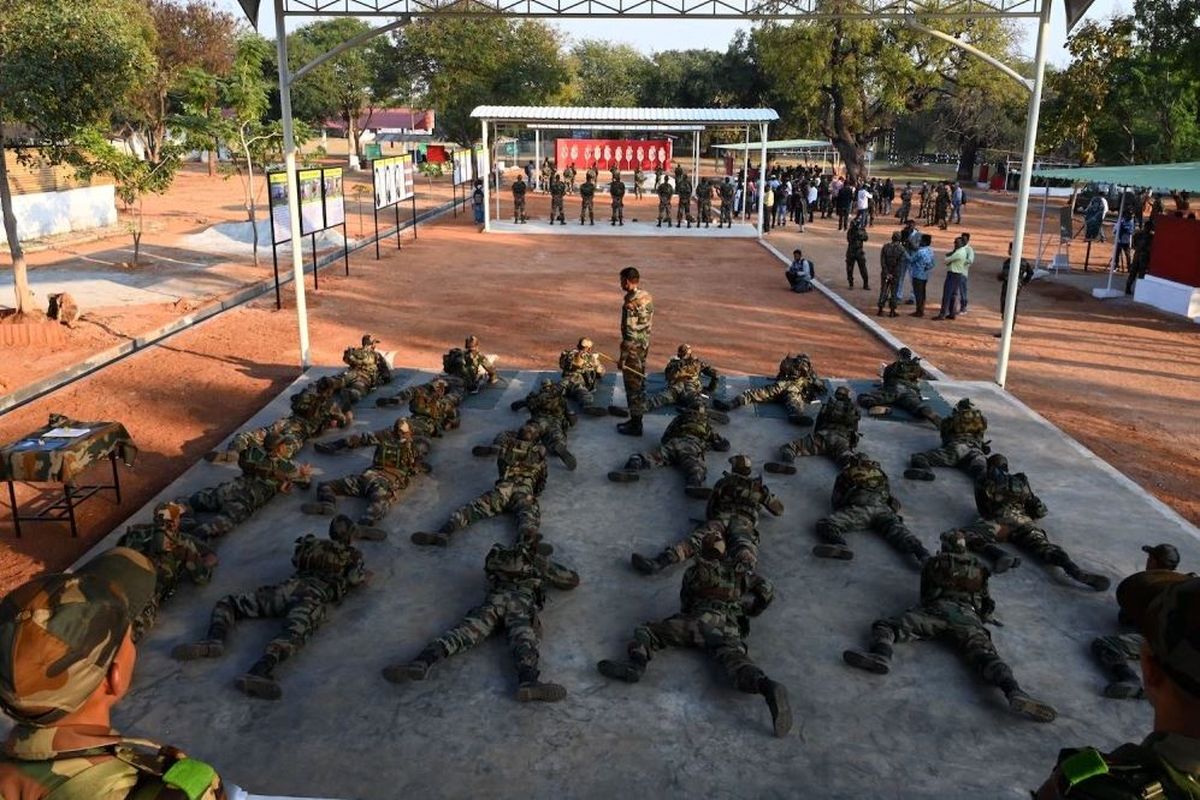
763	394
761	593
710	372
364	439
1035	508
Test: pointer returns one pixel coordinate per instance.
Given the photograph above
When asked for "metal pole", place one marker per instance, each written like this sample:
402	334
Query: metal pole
746	177
293	190
762	174
537	159
1031	130
487	154
1041	229
496	170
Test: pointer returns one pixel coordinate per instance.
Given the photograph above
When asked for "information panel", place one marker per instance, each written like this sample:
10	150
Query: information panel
281	225
312	210
461	161
395	179
335	197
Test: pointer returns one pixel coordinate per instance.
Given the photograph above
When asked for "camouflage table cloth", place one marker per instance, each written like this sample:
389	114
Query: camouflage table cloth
41	459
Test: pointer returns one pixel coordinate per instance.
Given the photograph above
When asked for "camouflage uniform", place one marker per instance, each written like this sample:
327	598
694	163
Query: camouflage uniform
901	387
367	371
726	192
405	395
519	188
683	374
434	410
617	190
517	581
398	457
467	368
175	556
549	415
892	258
835	434
717	599
581	372
522	469
664	192
856	237
704	202
683	210
796	384
683	444
962	445
637	316
862	499
659	172
638	177
264	475
587	195
59	635
558	191
955	604
569	176
1008	509
326	570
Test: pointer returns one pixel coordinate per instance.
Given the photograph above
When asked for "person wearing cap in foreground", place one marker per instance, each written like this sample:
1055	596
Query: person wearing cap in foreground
955	605
368	369
66	659
1116	651
717	599
1165	607
732	510
326	570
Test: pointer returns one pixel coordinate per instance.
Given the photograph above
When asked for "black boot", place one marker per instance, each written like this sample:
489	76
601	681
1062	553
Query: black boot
877	659
631	428
629	671
1126	684
1002	560
565	455
531	688
649	566
1090	579
777	701
260	681
330	447
417	669
1027	706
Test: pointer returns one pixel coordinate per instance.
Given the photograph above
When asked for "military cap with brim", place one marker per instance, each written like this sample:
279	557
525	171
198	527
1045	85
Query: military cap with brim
1165	605
60	632
1165	554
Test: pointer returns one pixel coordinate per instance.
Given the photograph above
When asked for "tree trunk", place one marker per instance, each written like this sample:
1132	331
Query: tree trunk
852	158
352	137
24	295
251	209
968	149
212	157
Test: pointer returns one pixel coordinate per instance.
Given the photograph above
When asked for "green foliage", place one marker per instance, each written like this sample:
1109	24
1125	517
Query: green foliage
606	74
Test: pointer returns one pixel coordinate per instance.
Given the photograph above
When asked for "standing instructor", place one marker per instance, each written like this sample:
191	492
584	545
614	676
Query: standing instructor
637	311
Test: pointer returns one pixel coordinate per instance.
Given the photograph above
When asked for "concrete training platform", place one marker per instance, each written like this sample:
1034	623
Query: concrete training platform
929	728
604	227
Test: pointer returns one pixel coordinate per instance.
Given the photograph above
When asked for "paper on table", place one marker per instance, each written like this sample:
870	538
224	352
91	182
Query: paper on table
67	433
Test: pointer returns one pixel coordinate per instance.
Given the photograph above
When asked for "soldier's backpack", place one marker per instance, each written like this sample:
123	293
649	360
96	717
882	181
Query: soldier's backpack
964	423
517	564
339	563
680	370
953	574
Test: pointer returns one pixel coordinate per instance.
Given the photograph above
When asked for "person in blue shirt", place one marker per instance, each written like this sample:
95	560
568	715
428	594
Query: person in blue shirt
920	265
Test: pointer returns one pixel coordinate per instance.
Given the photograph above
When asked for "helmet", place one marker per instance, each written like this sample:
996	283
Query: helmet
438	385
954	541
713	545
368	340
684	350
272	441
842	393
905	353
528	433
741	464
965	403
402	427
168	513
472	342
584	343
997	461
326	384
546	383
341	529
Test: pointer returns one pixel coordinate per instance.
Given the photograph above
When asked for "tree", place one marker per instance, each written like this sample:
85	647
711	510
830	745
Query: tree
461	62
606	74
857	75
341	87
194	44
63	67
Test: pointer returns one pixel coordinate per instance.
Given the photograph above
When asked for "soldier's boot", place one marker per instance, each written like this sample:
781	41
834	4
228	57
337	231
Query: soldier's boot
833	544
517	405
628	671
719	417
618	411
417	669
529	688
209	648
649	566
439	539
565	455
879	411
777	702
594	411
624	476
260	680
696	491
930	416
1126	686
919	468
320	508
1095	581
631	428
877	659
1028	707
329	448
1002	560
485	450
803	420
221	457
919	553
780	468
365	529
386	402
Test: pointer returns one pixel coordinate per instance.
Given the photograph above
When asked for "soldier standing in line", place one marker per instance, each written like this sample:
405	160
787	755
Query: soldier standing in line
704	203
891	271
664	192
326	571
659	172
517	579
638	178
727	192
717	599
617	190
519	188
637	316
558	191
569	176
587	194
683	188
955	605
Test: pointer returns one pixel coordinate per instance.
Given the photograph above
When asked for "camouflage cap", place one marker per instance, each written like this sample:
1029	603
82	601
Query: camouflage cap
1165	605
584	343
368	340
741	464
684	350
60	632
1165	554
342	528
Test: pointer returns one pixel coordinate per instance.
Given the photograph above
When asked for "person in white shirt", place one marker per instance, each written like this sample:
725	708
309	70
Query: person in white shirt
800	273
862	204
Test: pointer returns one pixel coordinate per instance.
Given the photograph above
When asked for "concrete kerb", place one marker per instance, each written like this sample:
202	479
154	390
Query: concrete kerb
86	367
874	328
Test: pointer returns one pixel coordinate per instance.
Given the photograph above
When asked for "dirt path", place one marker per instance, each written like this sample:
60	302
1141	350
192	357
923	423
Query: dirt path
527	297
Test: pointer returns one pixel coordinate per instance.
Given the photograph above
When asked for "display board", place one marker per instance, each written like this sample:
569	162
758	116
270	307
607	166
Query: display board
481	161
277	196
334	195
625	154
312	206
394	178
461	161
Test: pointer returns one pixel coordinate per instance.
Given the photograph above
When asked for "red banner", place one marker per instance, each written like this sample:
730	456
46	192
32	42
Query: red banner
626	154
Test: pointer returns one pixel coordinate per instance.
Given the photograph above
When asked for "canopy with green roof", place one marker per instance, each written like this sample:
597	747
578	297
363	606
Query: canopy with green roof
1183	177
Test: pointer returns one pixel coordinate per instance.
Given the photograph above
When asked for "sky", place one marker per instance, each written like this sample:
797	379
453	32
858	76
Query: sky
650	36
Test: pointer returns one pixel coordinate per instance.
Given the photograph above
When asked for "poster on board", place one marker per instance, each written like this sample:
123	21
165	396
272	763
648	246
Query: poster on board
393	192
378	177
407	177
335	198
281	226
312	212
481	161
